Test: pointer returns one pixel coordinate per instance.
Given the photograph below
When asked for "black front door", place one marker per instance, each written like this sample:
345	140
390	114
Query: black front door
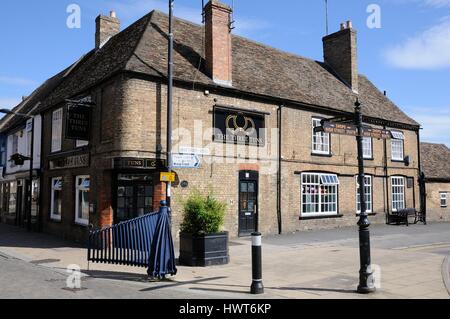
134	196
248	203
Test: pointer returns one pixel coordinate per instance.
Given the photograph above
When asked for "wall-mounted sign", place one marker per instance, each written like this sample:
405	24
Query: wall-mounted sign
70	162
78	122
168	177
194	150
138	163
239	127
185	161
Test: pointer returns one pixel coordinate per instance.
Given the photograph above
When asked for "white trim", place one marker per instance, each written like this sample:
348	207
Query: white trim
396	195
368	211
56	142
443	197
81	188
318	182
324	136
54	188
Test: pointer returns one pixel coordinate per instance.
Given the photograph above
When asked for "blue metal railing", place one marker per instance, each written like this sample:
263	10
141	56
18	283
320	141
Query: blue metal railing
127	243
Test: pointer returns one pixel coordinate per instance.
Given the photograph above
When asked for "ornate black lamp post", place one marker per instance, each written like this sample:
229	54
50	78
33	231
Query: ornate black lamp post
366	280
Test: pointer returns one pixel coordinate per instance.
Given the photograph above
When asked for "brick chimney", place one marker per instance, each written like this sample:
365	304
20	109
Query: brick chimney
218	52
340	53
106	27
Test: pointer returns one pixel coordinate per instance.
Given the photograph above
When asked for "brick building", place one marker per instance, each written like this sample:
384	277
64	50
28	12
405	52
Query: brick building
436	167
250	108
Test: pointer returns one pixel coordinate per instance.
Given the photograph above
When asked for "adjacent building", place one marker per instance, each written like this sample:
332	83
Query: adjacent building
245	111
436	167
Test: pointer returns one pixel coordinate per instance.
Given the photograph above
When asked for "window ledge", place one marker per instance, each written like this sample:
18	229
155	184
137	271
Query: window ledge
320	217
321	154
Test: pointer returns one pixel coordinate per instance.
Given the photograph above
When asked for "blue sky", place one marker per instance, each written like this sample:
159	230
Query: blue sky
409	56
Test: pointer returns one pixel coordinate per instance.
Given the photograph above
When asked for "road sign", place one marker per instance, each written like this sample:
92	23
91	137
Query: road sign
352	130
194	150
185	161
167	177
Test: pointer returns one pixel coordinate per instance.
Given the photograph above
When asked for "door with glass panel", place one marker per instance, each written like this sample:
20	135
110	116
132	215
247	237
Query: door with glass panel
134	196
248	206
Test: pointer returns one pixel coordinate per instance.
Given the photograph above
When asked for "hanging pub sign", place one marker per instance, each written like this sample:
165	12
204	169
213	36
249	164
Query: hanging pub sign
239	127
78	122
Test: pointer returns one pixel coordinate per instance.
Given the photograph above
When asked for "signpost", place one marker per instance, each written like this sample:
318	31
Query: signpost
354	127
185	161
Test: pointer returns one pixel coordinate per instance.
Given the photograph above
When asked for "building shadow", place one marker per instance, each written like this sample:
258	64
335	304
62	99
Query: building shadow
12	236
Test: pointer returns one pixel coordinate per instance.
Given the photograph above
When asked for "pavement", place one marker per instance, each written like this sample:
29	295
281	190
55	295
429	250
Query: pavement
410	262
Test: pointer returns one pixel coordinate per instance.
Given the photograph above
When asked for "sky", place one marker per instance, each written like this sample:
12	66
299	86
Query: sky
403	45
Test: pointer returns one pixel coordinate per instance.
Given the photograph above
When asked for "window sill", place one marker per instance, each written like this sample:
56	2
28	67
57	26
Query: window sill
81	224
321	154
320	217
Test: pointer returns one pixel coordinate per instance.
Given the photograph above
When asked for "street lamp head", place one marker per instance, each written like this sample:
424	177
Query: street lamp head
357	104
5	111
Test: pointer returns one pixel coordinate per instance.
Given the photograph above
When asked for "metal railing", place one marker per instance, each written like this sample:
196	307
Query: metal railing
127	243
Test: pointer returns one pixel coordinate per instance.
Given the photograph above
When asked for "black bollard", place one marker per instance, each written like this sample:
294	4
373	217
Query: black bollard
257	287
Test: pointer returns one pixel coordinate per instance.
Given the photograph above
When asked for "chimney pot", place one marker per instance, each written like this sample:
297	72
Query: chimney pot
343	27
218	51
112	14
349	25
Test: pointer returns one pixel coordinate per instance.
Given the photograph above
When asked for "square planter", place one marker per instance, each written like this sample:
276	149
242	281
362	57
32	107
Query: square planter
203	251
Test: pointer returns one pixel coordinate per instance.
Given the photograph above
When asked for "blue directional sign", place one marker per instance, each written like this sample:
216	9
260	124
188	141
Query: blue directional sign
185	161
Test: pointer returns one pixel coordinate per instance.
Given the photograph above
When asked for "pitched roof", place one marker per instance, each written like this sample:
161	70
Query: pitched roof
257	69
435	160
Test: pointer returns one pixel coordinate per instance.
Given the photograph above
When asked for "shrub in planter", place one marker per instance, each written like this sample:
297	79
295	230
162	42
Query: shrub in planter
201	241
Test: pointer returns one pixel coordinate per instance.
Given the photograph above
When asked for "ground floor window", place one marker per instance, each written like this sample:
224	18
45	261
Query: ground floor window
56	198
82	200
367	194
444	199
319	194
398	193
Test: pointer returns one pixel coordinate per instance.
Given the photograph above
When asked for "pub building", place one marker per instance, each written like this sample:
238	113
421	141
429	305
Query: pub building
436	169
263	157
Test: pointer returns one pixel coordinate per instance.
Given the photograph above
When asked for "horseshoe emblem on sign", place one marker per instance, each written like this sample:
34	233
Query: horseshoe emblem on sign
240	124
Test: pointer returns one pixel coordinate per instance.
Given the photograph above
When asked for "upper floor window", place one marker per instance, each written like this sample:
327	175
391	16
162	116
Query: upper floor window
57	118
444	199
398	193
397	144
367	148
320	140
367	194
319	194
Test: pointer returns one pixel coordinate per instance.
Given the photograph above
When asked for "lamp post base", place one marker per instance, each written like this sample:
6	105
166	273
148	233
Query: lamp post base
257	288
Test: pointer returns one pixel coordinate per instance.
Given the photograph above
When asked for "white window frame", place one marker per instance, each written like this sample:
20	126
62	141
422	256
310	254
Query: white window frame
443	197
368	191
57	122
321	180
367	148
322	139
397	196
398	146
79	188
54	216
81	143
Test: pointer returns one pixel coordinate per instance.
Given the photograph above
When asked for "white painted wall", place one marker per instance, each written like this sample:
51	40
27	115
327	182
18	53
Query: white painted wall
23	147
